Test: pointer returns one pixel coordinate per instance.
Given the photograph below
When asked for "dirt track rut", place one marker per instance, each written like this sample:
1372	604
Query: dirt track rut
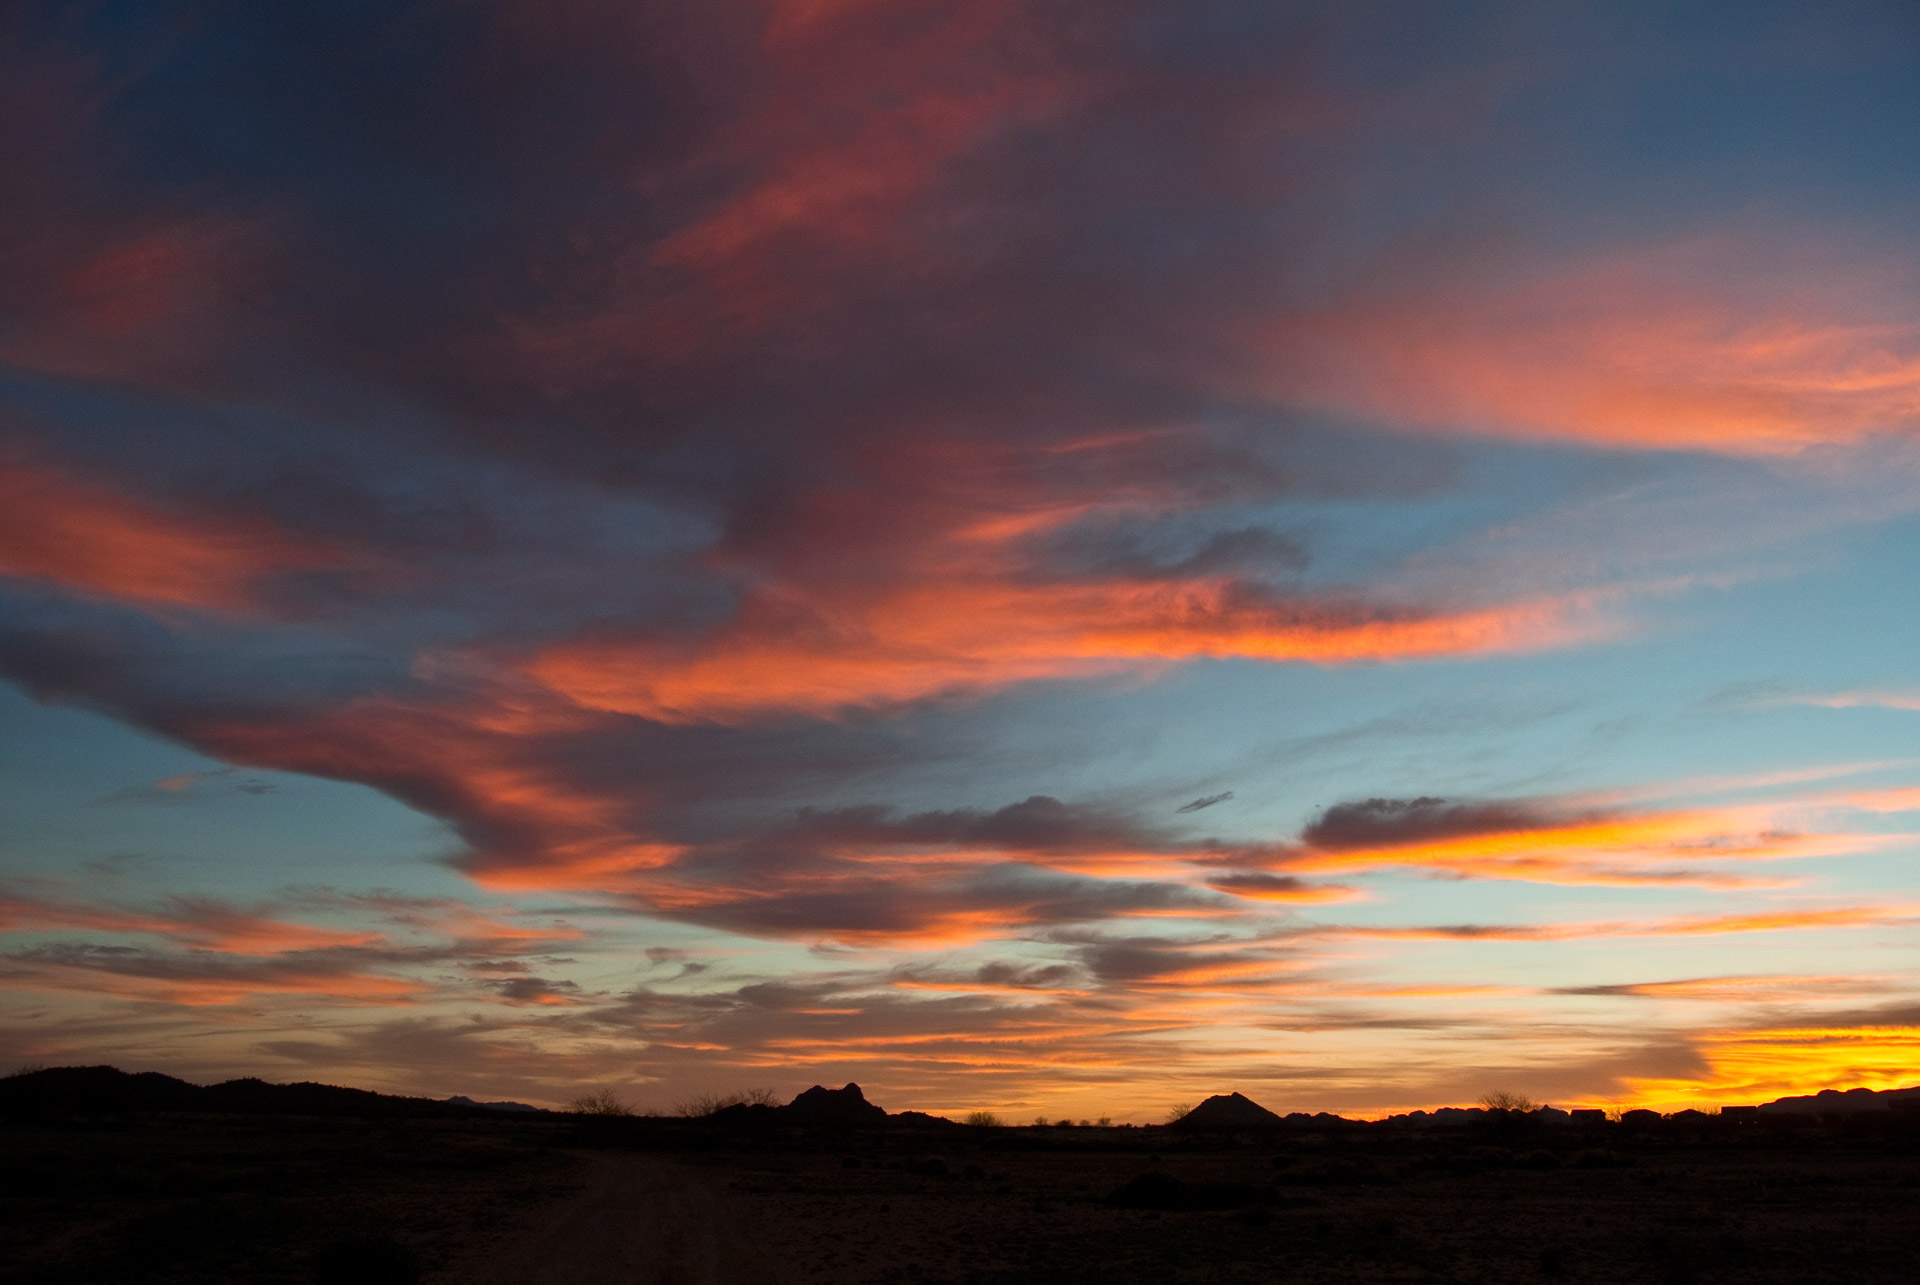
639	1220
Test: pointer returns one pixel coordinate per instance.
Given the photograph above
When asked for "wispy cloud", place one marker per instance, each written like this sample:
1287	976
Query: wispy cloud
1650	347
1752	989
1860	699
1779	919
931	637
1566	841
104	543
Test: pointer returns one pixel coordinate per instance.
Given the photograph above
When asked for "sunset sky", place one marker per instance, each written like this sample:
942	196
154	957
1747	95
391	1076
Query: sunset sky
1054	556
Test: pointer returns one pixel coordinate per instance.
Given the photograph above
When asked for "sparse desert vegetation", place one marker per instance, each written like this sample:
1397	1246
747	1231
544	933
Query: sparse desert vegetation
706	1104
601	1102
1502	1100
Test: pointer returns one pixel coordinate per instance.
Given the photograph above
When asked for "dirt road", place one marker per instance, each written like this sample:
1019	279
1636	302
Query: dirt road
639	1220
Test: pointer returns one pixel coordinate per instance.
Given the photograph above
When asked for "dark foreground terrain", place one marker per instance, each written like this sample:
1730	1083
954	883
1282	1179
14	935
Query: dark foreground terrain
182	1195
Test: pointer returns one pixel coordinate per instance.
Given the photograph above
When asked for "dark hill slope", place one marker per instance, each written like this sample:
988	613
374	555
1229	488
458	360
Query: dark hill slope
1229	1111
105	1090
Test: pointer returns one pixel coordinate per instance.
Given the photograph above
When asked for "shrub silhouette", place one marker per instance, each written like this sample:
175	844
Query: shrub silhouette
706	1104
983	1119
600	1102
1501	1100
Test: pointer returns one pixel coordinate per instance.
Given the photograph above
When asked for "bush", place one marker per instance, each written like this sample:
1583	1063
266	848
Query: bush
706	1104
983	1119
600	1102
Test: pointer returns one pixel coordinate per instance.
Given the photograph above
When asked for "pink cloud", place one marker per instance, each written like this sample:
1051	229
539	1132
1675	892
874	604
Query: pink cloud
107	543
1738	343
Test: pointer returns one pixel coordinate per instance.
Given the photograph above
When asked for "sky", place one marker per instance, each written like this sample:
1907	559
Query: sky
1046	556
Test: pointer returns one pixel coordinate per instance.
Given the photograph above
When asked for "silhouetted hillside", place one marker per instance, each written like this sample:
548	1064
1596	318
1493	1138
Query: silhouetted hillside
101	1090
520	1108
843	1107
819	1108
1848	1102
106	1090
1229	1111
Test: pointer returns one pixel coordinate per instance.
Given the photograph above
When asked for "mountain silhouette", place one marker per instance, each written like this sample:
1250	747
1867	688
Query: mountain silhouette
462	1100
1843	1102
841	1108
1229	1111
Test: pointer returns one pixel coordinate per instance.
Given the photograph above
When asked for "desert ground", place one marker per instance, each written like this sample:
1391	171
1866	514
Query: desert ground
183	1197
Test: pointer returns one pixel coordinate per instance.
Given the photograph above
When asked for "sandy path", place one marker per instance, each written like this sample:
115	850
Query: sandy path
639	1220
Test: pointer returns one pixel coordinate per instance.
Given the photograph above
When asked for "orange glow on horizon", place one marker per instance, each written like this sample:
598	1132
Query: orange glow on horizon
1753	1066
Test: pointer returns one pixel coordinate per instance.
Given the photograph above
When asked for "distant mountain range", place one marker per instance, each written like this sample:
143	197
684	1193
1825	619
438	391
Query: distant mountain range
1843	1102
1232	1111
460	1100
97	1090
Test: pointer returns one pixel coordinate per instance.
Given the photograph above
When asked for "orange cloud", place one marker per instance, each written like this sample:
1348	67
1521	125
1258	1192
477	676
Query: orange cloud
1757	921
1651	349
202	925
1761	988
920	912
165	981
1667	848
927	639
209	926
1906	799
529	827
232	955
965	987
101	542
1771	921
473	930
1863	700
18	914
